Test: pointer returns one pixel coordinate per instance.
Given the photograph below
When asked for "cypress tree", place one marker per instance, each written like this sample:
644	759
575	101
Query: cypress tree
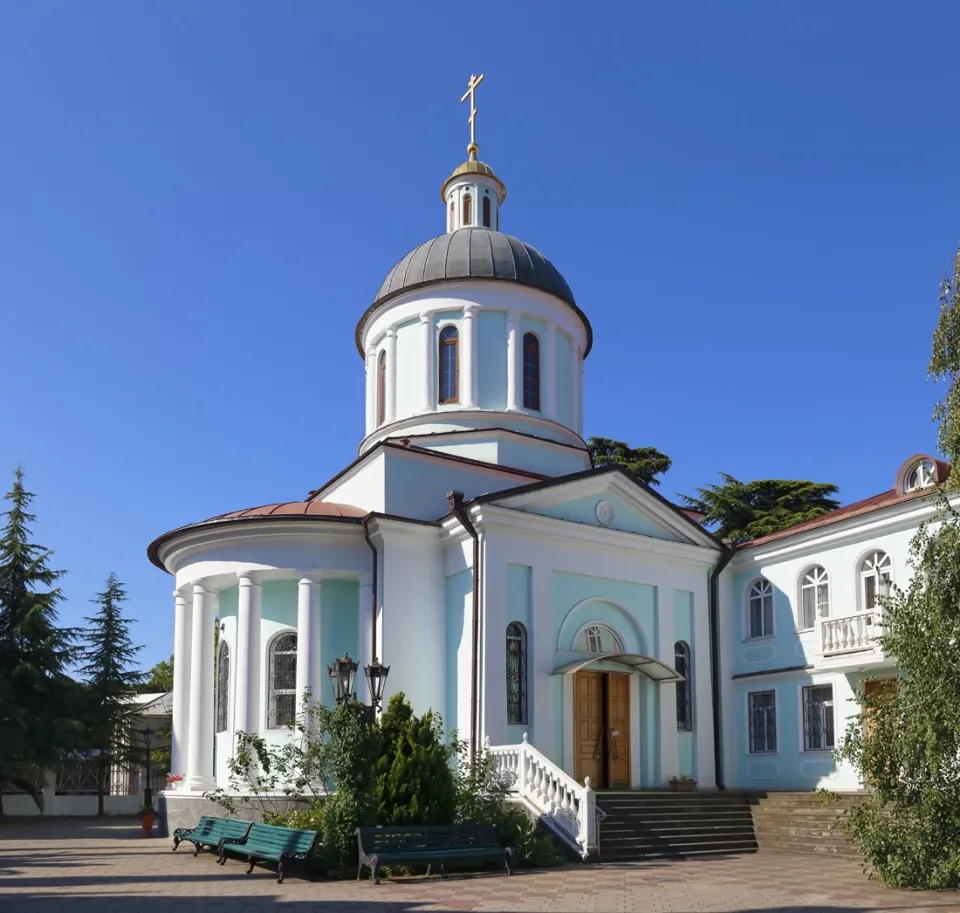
34	652
106	658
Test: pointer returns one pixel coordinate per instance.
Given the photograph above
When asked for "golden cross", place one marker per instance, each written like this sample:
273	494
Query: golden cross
471	86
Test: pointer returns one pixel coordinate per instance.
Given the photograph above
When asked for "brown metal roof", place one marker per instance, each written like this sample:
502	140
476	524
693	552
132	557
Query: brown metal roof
293	509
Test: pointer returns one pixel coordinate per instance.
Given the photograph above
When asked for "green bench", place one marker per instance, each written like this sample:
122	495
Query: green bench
268	843
210	831
433	845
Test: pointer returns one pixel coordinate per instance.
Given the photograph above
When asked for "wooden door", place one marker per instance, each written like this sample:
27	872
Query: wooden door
587	726
618	729
878	690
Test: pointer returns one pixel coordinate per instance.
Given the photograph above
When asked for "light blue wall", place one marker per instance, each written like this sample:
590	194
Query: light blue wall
564	382
492	369
683	630
626	518
784	649
229	601
515	451
339	623
278	602
519	608
458	590
409	356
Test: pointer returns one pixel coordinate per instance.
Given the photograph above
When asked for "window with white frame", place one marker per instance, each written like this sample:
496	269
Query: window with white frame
760	609
818	721
223	686
814	597
762	712
921	475
876	572
598	638
282	691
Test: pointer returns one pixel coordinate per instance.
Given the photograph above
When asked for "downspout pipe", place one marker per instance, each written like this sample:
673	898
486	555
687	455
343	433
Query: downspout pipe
373	589
455	500
725	558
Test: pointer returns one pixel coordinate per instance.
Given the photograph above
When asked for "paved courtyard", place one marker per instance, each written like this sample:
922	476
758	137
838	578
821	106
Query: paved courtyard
84	866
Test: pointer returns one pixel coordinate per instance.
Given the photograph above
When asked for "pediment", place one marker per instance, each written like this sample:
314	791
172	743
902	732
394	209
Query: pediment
608	500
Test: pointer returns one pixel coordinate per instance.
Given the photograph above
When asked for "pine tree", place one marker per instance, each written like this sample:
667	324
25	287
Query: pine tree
33	653
106	658
646	463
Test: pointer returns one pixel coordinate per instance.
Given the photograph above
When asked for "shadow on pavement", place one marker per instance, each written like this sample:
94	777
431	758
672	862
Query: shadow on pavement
71	828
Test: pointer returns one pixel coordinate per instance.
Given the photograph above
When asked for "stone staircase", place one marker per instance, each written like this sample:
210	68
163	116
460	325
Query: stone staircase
800	823
648	825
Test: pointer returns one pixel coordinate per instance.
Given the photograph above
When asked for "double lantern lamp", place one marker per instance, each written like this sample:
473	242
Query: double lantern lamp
343	672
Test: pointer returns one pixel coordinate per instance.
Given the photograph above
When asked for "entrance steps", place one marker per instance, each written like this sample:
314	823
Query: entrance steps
649	825
801	823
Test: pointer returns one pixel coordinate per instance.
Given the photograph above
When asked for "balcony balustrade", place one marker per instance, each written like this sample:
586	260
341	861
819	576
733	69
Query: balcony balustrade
851	633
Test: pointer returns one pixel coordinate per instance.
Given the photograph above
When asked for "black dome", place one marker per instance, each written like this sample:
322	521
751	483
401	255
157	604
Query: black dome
474	253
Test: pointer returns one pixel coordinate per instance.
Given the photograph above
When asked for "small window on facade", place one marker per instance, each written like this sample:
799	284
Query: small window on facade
449	362
761	609
486	212
875	576
597	638
451	221
531	371
814	597
467	209
681	662
282	696
516	673
818	730
922	475
762	710
223	687
381	388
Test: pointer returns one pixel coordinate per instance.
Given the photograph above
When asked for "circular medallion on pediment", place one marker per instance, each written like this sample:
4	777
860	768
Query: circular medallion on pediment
605	512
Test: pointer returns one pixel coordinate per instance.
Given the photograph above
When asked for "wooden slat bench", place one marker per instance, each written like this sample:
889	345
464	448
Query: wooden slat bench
432	845
268	843
209	832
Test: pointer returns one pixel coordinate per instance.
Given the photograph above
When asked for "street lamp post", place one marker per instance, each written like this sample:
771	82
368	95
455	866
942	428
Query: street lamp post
147	736
343	673
376	674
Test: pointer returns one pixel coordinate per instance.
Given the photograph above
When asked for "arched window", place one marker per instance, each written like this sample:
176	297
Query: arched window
486	212
681	662
381	388
598	638
876	572
223	686
282	693
451	217
467	209
516	673
531	371
449	362
814	597
760	622
921	475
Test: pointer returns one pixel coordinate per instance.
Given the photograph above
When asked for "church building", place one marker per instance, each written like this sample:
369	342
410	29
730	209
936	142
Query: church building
569	617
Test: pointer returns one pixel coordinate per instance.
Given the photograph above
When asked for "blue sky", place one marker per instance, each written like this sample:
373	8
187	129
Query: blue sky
752	202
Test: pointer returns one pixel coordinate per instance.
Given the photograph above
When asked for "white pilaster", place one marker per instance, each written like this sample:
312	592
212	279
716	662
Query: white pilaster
181	683
576	387
702	688
427	347
308	639
514	354
669	749
390	346
365	623
548	380
468	358
200	740
371	389
247	715
542	647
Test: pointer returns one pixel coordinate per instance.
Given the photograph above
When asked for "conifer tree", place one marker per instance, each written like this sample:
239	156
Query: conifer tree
34	652
106	660
646	463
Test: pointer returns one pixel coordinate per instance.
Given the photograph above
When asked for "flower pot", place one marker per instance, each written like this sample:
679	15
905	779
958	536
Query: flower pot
146	822
683	786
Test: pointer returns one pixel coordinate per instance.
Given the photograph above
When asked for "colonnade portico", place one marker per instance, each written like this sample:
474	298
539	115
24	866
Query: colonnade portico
196	609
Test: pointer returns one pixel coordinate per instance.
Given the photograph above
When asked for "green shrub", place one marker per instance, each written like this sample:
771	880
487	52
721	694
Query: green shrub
345	811
308	817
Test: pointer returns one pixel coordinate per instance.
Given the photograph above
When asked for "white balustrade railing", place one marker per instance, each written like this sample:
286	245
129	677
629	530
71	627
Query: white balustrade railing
853	632
550	791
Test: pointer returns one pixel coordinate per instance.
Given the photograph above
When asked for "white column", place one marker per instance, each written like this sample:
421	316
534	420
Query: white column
548	379
364	622
200	740
390	346
308	639
371	389
247	715
514	354
669	748
181	683
468	358
427	347
576	388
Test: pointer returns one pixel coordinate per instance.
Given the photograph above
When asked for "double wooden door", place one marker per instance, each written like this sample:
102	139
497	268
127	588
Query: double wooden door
601	714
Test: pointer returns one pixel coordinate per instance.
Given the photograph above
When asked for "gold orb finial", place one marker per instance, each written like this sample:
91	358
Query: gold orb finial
473	150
